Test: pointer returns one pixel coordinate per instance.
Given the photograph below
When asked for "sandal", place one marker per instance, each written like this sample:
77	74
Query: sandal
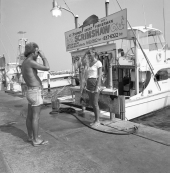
43	142
95	124
31	139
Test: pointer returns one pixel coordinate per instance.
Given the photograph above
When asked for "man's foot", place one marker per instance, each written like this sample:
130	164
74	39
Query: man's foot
95	124
39	143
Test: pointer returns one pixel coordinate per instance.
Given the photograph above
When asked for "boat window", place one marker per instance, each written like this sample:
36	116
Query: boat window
156	40
152	40
163	74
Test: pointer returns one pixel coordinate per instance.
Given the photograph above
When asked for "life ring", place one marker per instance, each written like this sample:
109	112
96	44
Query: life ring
159	57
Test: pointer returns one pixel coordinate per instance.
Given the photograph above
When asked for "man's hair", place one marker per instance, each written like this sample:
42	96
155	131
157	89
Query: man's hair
30	48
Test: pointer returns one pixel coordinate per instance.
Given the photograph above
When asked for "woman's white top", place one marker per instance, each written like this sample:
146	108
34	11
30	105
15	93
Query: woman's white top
93	70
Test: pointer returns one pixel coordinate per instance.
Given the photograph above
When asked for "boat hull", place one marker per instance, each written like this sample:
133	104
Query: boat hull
57	82
144	105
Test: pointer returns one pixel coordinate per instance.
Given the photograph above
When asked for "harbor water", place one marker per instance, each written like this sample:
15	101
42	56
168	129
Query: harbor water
59	91
158	119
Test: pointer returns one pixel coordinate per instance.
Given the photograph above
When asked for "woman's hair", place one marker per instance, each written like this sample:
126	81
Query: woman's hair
30	48
92	51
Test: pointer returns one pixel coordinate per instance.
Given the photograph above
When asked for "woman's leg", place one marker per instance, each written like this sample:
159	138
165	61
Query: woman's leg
93	98
96	106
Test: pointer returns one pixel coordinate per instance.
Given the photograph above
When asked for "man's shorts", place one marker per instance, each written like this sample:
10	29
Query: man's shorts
34	96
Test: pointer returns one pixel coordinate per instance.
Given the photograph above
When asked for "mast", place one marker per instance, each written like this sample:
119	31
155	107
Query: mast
164	28
144	15
21	47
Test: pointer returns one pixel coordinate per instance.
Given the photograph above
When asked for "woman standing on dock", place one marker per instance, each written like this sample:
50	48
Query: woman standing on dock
94	73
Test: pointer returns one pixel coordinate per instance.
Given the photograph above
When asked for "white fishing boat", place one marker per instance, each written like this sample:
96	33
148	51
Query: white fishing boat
136	67
144	71
50	80
55	79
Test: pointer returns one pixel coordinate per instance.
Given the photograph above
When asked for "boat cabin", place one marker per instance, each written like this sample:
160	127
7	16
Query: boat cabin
139	57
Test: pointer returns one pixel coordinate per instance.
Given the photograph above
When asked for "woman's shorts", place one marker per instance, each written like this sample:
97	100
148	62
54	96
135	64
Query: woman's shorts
91	84
34	96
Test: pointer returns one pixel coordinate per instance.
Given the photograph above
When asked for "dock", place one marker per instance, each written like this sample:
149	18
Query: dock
74	147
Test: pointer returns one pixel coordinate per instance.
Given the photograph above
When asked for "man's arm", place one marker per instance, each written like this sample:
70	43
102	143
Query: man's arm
45	62
44	67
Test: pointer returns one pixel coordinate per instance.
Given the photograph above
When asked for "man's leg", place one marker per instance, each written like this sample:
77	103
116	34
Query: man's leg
35	122
29	122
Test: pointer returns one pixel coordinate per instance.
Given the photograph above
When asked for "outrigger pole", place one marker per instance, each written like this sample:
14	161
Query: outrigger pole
151	68
164	28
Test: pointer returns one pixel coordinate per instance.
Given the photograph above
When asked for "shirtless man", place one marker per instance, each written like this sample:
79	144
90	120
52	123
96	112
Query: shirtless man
34	90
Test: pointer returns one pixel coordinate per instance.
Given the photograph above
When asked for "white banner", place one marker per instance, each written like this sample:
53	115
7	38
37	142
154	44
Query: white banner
112	27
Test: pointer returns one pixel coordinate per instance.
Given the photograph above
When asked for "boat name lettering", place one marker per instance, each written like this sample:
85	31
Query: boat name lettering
93	33
110	28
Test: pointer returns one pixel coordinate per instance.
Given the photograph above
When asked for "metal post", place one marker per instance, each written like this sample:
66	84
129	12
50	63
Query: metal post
76	21
110	85
48	81
136	69
73	70
112	115
110	55
107	7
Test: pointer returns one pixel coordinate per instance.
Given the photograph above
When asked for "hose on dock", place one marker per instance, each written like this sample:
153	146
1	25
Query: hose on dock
129	131
72	111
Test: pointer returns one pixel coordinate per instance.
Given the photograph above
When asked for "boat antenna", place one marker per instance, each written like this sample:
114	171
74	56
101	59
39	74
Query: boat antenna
0	11
144	15
164	17
164	28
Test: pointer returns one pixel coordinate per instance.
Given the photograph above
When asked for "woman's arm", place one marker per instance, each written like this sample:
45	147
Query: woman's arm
98	84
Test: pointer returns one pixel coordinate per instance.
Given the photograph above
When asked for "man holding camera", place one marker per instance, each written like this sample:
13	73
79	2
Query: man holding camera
30	69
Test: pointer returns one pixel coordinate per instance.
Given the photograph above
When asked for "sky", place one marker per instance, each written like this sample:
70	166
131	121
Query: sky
34	18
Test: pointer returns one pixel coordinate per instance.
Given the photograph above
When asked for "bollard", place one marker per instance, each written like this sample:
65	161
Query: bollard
112	116
122	107
55	105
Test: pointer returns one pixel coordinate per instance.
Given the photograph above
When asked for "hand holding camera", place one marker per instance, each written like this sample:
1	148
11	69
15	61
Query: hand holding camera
41	54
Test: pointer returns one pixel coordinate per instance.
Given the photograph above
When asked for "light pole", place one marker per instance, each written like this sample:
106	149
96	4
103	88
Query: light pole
56	11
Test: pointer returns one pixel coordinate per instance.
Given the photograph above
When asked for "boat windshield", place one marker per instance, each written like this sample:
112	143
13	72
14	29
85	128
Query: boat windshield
152	40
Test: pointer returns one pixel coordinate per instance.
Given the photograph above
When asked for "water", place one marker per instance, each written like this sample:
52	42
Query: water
62	91
159	119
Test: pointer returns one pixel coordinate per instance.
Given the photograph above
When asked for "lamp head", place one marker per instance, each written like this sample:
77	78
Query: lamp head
56	10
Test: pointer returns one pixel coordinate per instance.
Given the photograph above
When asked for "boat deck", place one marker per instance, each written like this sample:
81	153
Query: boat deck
75	147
